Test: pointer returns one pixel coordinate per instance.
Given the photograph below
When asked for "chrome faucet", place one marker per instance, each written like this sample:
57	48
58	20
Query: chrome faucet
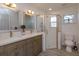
31	31
11	34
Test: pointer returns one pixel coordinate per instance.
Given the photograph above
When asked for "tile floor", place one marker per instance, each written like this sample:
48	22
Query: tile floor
56	52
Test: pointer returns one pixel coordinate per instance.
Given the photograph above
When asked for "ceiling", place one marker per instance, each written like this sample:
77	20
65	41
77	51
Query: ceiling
43	7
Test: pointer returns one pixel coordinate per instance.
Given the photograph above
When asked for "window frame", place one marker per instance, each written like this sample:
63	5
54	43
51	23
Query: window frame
53	22
68	20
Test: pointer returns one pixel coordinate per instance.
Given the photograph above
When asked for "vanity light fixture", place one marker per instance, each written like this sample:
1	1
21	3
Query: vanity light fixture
6	4
29	12
12	5
50	9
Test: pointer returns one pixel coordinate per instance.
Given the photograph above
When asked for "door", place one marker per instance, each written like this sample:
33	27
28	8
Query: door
50	31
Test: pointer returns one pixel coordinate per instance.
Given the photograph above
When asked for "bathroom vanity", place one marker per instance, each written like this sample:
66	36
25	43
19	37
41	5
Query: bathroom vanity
12	44
26	45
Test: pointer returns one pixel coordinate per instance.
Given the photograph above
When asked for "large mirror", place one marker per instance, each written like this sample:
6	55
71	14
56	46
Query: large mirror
29	22
34	22
8	19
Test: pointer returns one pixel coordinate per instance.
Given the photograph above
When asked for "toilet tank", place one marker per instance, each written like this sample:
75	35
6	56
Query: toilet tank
69	36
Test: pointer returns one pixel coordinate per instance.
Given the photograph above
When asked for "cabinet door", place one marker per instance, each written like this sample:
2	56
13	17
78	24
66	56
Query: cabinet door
15	49
20	48
2	51
11	50
37	45
28	47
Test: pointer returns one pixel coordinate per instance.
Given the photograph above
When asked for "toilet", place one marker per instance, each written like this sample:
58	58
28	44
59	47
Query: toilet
69	42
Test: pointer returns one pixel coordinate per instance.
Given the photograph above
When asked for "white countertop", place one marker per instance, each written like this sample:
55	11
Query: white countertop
18	38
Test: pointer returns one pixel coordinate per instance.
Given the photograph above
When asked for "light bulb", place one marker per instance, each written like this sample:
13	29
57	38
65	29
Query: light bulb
13	5
32	12
50	9
29	11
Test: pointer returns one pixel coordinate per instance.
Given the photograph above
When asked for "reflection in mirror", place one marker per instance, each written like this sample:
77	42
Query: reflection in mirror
14	20
8	19
4	19
29	22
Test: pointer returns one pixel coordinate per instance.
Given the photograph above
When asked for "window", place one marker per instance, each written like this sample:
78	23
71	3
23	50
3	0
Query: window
53	21
68	18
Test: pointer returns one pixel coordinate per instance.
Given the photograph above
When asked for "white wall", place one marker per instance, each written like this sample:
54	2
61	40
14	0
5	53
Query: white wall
78	23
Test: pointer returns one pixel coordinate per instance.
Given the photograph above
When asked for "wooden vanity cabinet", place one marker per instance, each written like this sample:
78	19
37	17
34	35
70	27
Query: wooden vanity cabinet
14	49
28	47
11	50
2	51
37	45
